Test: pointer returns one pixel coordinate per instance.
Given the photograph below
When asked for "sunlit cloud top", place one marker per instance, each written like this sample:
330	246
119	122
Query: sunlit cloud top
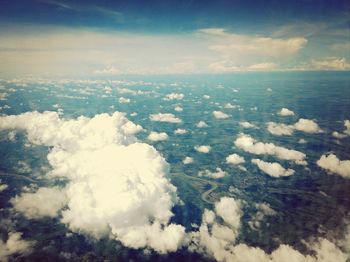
94	38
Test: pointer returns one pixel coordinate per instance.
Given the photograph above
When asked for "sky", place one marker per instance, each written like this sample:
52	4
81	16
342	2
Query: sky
107	38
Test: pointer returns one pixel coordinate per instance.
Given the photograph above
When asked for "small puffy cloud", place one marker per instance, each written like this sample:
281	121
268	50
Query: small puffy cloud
155	136
167	117
14	245
174	96
203	149
234	159
304	125
180	131
178	109
124	100
334	165
345	133
220	115
12	135
218	173
249	144
3	186
46	202
201	124
307	126
230	106
187	160
272	169
247	125
206	96
331	63
338	135
285	112
280	129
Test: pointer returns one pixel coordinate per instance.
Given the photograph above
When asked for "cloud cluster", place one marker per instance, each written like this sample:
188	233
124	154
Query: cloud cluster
174	96
273	169
14	245
218	173
219	240
249	144
155	136
166	117
304	125
220	115
203	149
285	112
334	165
116	186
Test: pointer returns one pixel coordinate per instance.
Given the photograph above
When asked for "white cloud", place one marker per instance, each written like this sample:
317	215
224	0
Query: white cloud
218	173
14	245
124	100
307	126
273	169
285	112
201	124
338	135
35	205
234	159
345	133
230	106
180	131
233	44
167	117
280	129
101	163
220	115
262	67
218	241
249	144
263	210
247	125
174	96
187	160
3	187
109	70
178	109
203	149
334	165
155	136
206	96
304	125
230	211
332	63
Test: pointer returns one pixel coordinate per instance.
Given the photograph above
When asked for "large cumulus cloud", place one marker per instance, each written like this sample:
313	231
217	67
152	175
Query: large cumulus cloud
116	186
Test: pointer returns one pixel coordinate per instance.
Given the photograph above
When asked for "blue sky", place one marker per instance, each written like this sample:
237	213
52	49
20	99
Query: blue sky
49	37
